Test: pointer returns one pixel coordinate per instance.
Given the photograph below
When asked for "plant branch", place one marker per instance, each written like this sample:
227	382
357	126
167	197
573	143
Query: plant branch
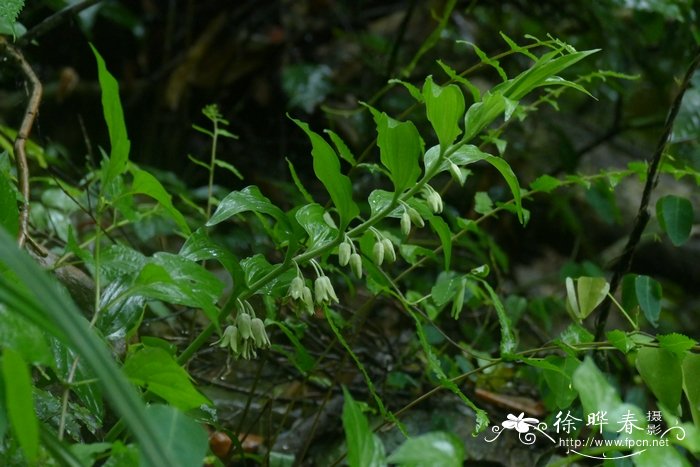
640	222
23	134
54	20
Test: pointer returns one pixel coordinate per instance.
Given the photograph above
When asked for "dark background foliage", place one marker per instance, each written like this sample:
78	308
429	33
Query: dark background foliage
317	59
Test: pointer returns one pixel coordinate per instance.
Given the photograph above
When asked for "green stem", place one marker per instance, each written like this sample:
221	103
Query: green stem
302	258
212	161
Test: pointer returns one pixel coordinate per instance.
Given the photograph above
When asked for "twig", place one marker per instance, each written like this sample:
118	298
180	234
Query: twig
640	222
23	134
54	20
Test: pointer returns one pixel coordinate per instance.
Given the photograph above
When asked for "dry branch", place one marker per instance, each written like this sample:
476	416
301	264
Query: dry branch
23	133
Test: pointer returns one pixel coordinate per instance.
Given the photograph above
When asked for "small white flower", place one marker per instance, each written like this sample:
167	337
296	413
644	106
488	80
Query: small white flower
308	300
230	338
323	290
243	323
296	288
259	335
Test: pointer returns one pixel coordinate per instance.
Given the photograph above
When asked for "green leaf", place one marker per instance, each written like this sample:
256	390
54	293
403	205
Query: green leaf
598	395
9	214
691	370
575	334
675	215
23	337
149	185
120	311
482	202
591	293
412	90
678	344
184	438
486	60
297	182
649	298
445	108
481	114
454	76
327	170
49	308
199	246
19	403
545	183
174	279
342	148
559	381
470	154
508	340
247	200
311	219
430	449
620	340
257	267
546	67
10	9
441	228
155	369
661	371
364	447
230	167
445	288
114	117
400	146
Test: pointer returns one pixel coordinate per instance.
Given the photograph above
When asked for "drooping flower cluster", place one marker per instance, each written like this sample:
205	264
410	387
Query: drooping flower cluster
433	198
409	216
383	249
347	254
246	334
300	293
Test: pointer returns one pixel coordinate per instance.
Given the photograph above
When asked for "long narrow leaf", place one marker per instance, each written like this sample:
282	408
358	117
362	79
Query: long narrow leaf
114	117
63	315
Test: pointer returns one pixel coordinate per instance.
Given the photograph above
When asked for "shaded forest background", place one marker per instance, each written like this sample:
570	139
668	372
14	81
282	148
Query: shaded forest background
317	59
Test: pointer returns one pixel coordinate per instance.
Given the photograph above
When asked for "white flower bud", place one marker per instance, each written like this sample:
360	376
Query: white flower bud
389	252
415	217
344	252
456	173
259	334
378	253
434	200
405	223
243	323
356	265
